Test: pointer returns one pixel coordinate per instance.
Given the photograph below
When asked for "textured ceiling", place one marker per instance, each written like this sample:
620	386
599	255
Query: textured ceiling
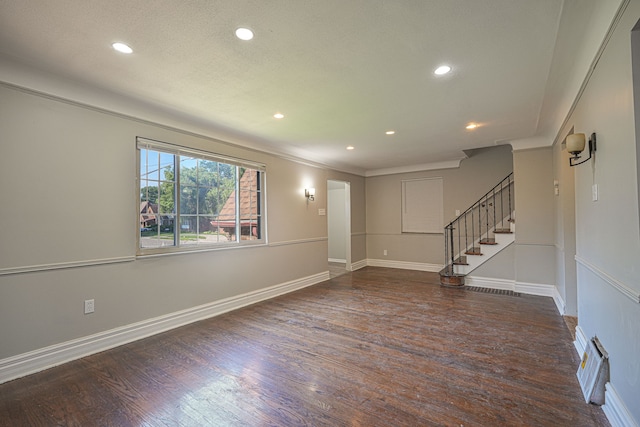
342	72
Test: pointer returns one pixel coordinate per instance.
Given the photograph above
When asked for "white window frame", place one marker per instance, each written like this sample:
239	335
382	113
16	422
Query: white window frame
178	151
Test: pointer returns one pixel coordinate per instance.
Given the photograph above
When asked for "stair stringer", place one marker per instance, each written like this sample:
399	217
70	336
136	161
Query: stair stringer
488	251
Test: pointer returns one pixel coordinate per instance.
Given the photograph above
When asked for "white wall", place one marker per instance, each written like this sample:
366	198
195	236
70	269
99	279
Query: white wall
535	225
501	266
607	230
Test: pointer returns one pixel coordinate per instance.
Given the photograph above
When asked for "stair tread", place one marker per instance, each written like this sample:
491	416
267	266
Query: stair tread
461	261
488	242
502	231
474	251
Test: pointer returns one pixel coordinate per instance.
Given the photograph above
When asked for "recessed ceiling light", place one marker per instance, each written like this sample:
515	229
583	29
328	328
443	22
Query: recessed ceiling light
443	69
471	126
351	147
278	115
244	34
390	132
121	47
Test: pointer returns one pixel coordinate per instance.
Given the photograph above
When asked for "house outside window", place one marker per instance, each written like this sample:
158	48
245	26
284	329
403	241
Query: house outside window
191	199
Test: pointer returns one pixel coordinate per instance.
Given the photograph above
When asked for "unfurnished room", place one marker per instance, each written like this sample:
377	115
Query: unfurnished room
322	213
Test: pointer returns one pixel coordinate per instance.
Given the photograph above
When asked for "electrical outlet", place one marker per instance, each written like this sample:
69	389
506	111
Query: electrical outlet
384	252
89	306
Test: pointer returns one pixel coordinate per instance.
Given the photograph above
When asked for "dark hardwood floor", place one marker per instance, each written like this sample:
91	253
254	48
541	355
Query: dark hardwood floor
376	347
337	269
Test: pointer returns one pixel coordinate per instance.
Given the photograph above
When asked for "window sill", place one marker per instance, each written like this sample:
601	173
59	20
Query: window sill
149	253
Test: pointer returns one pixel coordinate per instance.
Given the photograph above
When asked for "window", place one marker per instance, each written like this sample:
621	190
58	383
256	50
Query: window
422	210
191	199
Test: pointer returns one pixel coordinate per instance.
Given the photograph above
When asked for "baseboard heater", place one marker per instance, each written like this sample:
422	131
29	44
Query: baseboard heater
593	372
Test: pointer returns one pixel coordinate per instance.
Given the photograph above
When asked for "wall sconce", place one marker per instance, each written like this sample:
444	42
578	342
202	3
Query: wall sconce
310	194
575	146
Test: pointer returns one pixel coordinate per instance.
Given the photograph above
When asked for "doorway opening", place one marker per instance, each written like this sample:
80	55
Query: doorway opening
339	227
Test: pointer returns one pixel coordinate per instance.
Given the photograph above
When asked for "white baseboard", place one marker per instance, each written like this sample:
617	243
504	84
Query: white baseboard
339	260
405	265
358	265
540	289
491	283
615	409
581	341
44	358
560	304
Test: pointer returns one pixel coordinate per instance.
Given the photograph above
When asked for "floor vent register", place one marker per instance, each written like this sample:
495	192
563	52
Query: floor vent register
593	372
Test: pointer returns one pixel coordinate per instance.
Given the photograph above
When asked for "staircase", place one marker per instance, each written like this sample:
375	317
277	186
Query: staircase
479	233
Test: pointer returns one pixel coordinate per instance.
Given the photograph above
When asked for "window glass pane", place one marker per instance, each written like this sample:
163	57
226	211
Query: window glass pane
148	213
188	171
247	179
226	188
166	198
188	200
188	163
143	189
249	205
166	162
149	191
208	172
207	200
188	230
227	172
227	226
253	205
149	238
158	234
214	233
149	166
227	200
220	201
209	230
167	232
249	229
208	181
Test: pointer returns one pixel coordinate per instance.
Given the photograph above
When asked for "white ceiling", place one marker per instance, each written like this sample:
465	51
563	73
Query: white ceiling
342	72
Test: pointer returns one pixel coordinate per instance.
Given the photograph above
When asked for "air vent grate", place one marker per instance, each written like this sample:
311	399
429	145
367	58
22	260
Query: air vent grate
493	291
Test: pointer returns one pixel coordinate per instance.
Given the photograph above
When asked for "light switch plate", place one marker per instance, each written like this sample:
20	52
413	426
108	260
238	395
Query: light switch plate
594	192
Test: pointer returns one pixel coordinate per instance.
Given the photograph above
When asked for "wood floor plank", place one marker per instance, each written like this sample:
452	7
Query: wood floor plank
375	347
